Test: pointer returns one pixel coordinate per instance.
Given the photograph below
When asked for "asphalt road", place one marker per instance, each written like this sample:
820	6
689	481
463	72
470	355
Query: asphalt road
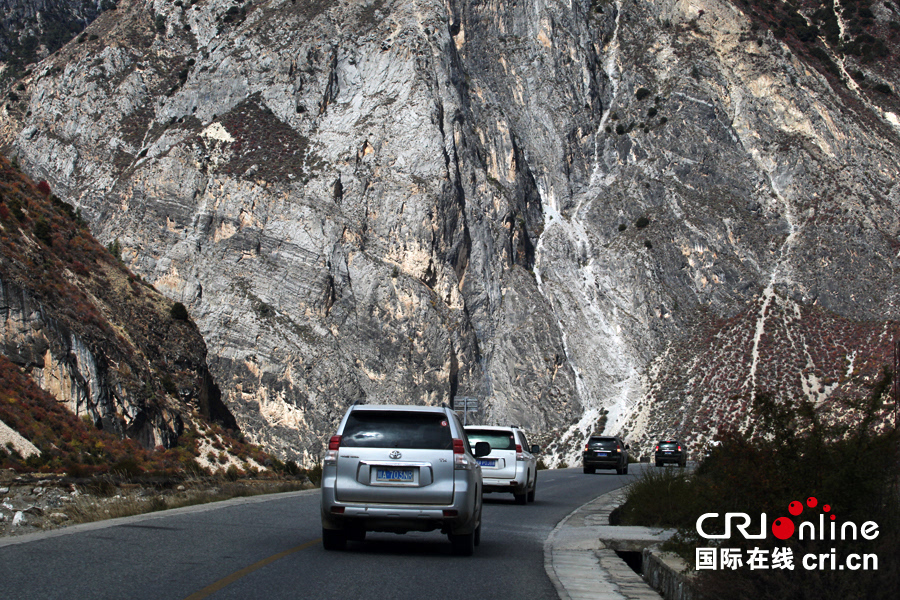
269	547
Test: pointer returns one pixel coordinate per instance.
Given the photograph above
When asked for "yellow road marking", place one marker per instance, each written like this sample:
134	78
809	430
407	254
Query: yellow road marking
223	583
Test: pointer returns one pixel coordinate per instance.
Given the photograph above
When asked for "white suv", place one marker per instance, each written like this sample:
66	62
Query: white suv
400	469
511	466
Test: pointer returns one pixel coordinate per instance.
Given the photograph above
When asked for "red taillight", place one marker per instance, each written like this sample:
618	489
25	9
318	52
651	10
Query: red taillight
679	448
618	448
657	448
451	513
586	447
460	460
337	510
519	454
334	445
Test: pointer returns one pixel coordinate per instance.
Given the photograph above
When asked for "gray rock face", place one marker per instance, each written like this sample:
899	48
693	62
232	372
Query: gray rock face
93	381
411	200
32	29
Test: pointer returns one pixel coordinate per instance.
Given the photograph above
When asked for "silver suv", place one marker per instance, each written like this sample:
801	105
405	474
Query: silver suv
400	469
511	466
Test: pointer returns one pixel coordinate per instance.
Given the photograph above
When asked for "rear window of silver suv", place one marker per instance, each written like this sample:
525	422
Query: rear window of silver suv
395	429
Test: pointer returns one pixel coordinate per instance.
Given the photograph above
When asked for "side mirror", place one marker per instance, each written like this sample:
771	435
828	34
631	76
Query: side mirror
482	449
535	449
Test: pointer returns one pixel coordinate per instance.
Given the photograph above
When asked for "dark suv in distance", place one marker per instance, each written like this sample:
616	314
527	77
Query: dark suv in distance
670	451
605	452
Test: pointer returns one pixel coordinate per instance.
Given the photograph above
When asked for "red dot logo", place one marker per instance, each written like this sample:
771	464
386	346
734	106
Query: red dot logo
795	508
826	508
833	517
811	502
783	528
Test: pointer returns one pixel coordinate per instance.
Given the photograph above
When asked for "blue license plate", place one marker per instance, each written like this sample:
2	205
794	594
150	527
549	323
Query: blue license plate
667	452
602	453
397	475
487	462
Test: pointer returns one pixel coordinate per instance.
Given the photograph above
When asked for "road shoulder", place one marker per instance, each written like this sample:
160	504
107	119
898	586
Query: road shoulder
582	567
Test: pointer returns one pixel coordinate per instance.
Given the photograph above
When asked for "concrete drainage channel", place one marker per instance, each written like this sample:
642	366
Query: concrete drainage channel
586	558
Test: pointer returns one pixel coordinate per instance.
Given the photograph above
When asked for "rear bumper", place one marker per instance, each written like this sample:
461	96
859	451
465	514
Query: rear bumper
603	462
675	459
461	516
516	485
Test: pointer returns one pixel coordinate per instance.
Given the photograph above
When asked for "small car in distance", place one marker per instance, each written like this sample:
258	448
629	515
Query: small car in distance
605	452
511	467
670	452
399	469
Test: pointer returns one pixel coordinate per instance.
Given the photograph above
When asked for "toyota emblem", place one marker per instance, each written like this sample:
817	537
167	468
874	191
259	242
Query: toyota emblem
395	454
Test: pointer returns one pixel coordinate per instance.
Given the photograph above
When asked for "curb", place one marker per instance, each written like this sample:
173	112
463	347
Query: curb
580	557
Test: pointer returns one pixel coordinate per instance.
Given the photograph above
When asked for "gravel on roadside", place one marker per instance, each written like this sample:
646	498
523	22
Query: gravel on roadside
30	503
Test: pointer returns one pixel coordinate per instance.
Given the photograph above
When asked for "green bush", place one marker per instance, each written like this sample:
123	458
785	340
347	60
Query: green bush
127	467
232	473
115	248
169	385
42	231
641	93
642	222
660	498
788	454
179	312
315	475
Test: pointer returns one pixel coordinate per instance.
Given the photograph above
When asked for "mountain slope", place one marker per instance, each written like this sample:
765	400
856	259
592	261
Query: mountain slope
103	343
528	203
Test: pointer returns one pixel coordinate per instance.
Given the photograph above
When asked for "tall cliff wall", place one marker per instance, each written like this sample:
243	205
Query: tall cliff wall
522	201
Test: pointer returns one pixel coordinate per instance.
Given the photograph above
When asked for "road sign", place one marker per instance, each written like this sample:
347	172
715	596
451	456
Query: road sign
465	403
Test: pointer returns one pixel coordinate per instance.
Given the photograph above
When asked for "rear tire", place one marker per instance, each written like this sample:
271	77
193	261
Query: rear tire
533	491
658	464
626	468
589	470
334	539
620	470
478	535
463	543
521	498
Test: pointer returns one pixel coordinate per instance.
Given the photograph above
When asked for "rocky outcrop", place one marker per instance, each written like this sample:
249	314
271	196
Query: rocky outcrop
524	202
88	332
32	29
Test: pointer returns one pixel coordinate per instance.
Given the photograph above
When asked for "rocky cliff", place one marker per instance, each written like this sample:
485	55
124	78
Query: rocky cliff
529	202
102	342
33	29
